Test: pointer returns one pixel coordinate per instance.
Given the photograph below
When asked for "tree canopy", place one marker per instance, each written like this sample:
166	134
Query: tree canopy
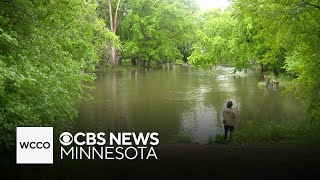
157	30
290	31
282	36
46	47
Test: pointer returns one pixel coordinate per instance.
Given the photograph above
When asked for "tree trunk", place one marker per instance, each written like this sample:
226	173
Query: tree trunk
113	28
134	61
116	18
262	67
110	14
144	63
113	54
148	63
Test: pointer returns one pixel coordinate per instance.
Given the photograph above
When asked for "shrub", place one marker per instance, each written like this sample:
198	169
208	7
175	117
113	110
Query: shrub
184	137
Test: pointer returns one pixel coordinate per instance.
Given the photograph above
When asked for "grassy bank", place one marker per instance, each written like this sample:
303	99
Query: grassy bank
272	132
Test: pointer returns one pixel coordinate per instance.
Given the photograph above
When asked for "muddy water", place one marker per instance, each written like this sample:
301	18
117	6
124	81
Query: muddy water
175	99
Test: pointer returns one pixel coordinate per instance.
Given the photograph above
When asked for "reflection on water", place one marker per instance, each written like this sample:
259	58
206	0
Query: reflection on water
174	99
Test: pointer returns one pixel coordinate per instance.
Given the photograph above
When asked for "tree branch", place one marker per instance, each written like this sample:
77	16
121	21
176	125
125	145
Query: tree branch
316	6
38	24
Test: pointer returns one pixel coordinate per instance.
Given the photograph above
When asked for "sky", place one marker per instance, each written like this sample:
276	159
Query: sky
206	4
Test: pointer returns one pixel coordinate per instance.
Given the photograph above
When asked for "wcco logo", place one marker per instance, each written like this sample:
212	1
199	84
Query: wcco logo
34	145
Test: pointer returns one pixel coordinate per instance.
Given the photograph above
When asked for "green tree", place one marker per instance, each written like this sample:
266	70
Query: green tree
291	30
46	47
112	12
157	31
223	38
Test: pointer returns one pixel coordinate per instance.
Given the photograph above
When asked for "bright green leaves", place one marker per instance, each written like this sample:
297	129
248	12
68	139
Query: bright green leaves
289	32
45	49
208	50
157	30
280	35
6	39
223	39
7	42
293	64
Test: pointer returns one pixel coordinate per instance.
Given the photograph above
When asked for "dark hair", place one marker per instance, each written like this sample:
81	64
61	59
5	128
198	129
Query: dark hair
229	104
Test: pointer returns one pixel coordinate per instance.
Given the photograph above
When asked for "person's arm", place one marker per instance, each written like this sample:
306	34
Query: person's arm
223	119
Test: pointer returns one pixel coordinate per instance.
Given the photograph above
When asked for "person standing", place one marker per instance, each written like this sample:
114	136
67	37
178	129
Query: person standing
229	118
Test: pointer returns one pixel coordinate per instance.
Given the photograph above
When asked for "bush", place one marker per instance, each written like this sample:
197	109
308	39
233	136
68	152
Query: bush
216	139
184	137
43	64
262	84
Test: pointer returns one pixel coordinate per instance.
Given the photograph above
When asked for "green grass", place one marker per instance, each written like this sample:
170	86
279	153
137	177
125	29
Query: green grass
256	131
216	139
272	132
183	137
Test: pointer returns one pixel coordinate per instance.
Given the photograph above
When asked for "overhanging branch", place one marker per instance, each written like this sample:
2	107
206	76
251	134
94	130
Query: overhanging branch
316	6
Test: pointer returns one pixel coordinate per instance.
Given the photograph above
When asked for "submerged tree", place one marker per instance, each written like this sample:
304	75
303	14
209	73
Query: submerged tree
224	38
279	35
111	13
156	31
113	28
291	30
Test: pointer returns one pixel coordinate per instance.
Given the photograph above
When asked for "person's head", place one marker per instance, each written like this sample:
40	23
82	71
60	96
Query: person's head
229	104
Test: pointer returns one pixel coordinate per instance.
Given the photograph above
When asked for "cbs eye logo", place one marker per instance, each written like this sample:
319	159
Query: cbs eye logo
81	138
66	138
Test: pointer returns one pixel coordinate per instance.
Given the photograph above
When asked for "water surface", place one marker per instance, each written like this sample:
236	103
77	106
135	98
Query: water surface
175	99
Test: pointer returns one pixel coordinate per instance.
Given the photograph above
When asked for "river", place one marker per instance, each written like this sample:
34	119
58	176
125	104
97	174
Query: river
175	99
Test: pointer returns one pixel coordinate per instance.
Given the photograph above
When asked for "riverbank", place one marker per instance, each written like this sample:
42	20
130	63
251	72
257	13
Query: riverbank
126	65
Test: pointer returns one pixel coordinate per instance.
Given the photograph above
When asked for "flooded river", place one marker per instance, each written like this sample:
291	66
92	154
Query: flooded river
175	99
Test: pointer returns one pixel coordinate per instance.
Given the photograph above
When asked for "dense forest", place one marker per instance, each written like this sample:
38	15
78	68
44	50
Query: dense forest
50	49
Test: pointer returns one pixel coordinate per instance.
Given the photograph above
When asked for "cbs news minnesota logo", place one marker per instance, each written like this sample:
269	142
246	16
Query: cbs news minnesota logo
34	145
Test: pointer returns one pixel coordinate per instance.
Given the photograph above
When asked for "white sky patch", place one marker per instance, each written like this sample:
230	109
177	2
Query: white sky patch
207	4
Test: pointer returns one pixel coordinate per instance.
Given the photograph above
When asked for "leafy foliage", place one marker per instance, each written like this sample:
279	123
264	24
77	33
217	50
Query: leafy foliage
157	30
257	131
218	138
223	39
184	137
45	49
282	36
291	31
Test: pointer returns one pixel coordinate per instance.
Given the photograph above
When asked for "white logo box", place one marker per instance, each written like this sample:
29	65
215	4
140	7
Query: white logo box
40	145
